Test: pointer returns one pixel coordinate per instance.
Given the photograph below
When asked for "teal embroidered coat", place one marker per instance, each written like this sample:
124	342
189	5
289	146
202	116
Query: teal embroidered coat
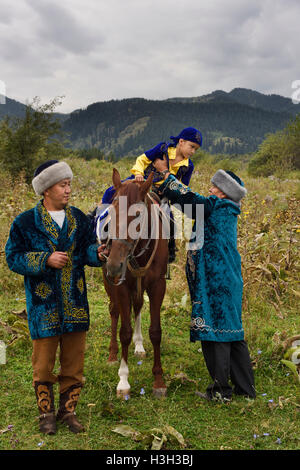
56	298
213	271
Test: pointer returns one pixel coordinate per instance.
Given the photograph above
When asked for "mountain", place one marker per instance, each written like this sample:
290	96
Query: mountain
11	108
273	102
233	123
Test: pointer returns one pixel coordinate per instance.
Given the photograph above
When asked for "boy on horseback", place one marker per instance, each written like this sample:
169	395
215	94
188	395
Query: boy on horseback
178	155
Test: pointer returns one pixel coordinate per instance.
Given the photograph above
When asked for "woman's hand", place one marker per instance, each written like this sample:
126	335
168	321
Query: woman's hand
160	164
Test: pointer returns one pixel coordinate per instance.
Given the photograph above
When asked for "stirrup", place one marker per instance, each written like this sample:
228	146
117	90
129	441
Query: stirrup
168	273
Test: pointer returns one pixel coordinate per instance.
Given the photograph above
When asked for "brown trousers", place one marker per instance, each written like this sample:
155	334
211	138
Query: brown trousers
71	358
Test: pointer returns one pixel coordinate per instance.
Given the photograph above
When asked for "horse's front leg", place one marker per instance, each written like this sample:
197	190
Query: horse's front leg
123	388
156	294
137	335
113	346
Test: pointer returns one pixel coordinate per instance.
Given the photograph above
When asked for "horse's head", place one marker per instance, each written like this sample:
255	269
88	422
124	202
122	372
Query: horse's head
127	194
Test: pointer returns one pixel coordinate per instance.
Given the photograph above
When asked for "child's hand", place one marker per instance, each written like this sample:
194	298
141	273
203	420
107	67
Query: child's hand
139	178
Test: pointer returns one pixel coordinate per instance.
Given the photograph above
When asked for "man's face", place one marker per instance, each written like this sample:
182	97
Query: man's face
58	195
187	148
214	191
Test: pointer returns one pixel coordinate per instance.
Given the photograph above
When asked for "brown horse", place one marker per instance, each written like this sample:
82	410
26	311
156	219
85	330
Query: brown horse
135	264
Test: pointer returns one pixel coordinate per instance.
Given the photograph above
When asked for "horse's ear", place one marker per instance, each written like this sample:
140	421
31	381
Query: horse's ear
116	178
146	185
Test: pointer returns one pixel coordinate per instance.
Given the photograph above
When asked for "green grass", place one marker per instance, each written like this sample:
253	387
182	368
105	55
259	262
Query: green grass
270	315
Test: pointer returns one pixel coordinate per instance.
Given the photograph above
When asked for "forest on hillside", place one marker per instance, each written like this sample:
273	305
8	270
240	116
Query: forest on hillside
233	123
128	127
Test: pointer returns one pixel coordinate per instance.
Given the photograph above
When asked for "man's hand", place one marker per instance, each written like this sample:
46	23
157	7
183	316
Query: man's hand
57	260
102	250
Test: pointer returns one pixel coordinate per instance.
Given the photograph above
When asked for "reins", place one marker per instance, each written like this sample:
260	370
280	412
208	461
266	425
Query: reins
131	263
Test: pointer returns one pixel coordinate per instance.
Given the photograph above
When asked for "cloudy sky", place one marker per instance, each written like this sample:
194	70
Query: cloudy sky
97	50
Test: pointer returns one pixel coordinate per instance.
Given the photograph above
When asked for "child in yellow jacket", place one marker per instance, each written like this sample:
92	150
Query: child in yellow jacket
178	154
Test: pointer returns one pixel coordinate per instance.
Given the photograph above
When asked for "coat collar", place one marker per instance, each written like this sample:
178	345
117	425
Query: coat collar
172	156
47	225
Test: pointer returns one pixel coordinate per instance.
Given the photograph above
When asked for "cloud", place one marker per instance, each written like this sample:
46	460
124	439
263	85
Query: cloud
95	51
57	25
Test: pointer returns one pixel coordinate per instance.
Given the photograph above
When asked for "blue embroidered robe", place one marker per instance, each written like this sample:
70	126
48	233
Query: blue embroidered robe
213	271
56	298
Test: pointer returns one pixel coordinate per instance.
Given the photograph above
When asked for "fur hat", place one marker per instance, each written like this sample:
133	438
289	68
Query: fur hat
230	184
50	173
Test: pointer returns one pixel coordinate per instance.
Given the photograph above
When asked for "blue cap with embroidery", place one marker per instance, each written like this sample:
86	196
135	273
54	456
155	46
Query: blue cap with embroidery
189	133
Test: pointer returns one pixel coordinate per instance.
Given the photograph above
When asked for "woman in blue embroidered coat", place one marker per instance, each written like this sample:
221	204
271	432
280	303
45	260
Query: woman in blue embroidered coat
215	281
50	245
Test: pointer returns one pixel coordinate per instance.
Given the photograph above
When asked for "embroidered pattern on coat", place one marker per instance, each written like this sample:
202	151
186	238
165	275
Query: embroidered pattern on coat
50	320
48	221
198	324
35	259
71	221
72	314
80	285
43	290
174	185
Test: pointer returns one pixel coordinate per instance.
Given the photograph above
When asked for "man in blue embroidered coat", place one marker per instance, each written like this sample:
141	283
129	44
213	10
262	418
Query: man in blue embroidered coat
215	281
49	245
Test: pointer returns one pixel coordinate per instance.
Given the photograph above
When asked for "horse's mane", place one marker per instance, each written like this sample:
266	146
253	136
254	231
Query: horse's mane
130	189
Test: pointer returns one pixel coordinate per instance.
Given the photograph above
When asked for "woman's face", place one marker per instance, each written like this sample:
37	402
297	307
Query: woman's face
214	191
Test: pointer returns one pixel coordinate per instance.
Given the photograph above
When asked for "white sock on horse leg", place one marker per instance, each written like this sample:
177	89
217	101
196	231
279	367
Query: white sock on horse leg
138	337
123	386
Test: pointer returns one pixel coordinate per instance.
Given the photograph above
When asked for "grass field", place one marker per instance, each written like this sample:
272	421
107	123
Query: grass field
269	228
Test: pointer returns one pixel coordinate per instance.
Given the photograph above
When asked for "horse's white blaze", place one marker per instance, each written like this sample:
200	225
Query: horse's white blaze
137	336
123	373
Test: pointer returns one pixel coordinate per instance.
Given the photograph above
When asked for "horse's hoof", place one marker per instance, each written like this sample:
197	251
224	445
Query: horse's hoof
111	362
125	394
112	358
159	392
141	354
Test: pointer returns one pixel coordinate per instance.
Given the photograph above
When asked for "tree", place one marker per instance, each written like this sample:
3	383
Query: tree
279	152
27	142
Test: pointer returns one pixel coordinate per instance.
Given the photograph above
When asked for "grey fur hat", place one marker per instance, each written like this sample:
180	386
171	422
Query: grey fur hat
50	173
230	184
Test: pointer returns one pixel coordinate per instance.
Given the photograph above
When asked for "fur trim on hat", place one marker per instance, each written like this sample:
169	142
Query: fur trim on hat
50	176
229	186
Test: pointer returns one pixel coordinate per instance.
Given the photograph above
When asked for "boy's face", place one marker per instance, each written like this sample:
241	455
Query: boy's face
58	194
187	148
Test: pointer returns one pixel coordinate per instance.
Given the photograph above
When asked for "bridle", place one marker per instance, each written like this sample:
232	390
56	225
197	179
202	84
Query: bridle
131	259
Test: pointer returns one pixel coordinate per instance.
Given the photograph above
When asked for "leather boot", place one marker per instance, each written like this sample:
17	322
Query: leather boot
45	401
67	404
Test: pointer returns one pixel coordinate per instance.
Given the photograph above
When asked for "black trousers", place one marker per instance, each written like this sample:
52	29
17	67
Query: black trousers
226	361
